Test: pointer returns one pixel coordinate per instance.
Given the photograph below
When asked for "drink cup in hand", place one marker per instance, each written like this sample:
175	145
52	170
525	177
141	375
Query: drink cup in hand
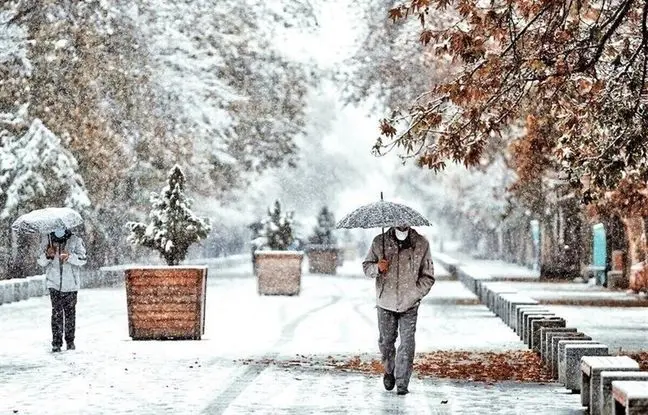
383	265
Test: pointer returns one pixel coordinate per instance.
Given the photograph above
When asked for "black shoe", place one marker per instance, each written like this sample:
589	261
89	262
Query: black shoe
389	381
70	346
56	349
402	390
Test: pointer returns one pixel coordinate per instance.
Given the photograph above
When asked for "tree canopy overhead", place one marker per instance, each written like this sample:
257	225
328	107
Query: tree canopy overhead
573	71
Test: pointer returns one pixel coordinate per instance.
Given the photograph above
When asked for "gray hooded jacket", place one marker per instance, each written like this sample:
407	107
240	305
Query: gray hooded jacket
64	276
410	275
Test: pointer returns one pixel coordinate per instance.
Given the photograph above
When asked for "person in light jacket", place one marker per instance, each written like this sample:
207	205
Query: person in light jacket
62	254
401	264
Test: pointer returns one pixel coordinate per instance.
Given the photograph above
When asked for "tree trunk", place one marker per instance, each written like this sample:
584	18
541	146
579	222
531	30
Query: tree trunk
561	251
573	250
617	240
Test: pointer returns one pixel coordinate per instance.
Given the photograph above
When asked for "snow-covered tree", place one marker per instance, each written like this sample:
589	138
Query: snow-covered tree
323	233
173	227
387	65
277	233
220	80
36	170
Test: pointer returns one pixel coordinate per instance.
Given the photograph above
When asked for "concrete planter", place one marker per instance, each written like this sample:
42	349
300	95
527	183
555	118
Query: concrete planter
279	272
166	302
322	259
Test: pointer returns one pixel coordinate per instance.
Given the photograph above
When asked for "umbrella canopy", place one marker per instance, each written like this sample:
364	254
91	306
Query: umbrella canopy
382	214
47	220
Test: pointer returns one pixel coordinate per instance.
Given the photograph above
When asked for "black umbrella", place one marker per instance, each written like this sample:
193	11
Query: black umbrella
382	214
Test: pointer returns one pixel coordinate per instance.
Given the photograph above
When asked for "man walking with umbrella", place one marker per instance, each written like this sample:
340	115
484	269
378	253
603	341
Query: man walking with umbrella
62	253
400	262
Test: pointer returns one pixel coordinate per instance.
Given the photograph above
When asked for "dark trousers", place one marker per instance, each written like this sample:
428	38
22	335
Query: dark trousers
400	362
63	314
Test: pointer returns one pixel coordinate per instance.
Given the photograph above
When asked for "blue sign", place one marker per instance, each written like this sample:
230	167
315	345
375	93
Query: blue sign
599	252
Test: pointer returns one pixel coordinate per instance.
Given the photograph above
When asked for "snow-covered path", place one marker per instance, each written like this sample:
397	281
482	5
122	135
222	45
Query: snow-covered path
110	373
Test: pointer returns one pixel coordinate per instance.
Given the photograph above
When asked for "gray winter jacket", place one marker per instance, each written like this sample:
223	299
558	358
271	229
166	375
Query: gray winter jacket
410	275
64	276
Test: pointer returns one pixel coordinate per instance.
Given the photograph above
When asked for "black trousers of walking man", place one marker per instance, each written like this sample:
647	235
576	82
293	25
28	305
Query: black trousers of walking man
63	314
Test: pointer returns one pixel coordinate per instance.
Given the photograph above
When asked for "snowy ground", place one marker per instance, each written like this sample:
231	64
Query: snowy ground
110	373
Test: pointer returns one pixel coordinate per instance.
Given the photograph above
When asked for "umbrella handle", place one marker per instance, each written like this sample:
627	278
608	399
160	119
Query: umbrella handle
383	231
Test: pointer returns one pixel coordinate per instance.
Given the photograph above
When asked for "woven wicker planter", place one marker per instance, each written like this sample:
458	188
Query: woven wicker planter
322	259
279	272
166	302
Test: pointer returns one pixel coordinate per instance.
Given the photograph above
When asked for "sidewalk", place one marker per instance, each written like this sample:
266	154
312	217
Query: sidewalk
333	316
617	318
527	281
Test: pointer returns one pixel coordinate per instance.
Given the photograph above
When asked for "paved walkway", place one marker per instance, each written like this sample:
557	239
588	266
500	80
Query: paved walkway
110	373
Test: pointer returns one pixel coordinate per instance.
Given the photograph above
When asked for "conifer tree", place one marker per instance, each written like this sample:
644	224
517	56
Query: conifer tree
278	228
173	227
323	232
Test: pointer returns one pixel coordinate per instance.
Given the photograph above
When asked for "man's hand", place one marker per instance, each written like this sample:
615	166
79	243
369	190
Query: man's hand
50	252
64	256
383	265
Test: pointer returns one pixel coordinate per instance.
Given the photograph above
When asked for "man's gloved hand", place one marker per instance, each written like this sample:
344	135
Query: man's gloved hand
383	265
50	252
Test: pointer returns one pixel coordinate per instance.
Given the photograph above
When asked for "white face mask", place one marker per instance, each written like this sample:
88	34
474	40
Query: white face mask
59	233
402	235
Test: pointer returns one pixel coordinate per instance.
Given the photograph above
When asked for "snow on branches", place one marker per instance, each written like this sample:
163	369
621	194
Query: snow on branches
580	67
277	230
173	227
323	232
36	170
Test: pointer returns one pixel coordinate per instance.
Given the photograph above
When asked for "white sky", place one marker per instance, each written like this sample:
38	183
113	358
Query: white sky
354	131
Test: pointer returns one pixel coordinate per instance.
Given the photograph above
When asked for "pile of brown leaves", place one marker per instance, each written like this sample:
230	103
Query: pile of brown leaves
524	366
641	357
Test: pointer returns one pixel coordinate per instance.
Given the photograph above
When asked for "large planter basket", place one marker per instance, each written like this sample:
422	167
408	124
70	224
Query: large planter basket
322	259
279	272
166	302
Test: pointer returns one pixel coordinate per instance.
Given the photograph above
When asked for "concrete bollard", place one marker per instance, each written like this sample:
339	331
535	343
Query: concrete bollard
477	280
485	290
555	342
482	291
569	359
491	297
546	334
504	301
528	318
537	325
523	316
591	369
512	311
511	308
606	402
519	315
